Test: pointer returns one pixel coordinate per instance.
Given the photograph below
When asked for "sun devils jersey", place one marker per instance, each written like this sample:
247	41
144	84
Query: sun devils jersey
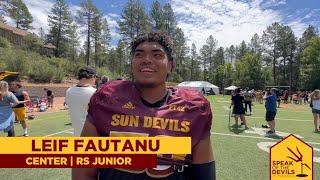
116	109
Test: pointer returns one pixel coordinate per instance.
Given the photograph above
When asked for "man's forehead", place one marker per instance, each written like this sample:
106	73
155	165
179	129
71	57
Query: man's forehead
149	46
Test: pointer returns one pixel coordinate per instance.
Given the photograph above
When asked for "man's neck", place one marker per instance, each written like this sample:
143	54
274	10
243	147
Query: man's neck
152	95
85	83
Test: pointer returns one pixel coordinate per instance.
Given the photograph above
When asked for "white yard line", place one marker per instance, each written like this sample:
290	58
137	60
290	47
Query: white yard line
244	136
257	117
58	132
254	137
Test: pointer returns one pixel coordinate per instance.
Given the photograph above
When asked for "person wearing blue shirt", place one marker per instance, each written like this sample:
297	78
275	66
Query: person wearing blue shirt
271	110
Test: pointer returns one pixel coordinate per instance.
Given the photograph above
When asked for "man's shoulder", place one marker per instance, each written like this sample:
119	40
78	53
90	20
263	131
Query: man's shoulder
116	85
190	95
111	89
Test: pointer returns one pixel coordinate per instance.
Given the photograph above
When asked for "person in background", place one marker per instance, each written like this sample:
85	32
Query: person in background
7	117
20	110
238	108
50	97
271	109
315	105
248	97
78	97
103	80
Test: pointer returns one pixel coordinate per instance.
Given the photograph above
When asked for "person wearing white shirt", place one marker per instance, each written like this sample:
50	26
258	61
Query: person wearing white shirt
315	105
78	97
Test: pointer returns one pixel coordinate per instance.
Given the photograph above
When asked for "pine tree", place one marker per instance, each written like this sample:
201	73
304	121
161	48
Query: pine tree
179	40
255	44
134	20
169	20
194	66
3	10
59	23
106	36
85	17
270	39
42	35
19	12
97	38
73	43
156	16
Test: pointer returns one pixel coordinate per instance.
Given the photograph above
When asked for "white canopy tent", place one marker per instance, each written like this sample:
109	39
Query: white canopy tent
199	85
231	88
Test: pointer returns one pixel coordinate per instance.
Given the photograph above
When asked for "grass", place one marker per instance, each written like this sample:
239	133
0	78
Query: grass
236	152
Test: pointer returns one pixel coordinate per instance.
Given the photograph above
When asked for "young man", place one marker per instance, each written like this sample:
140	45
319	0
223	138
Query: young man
271	110
50	97
78	97
248	97
238	110
147	96
20	110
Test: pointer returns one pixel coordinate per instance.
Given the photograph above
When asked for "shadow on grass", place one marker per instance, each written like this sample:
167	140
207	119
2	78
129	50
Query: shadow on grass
317	132
274	136
236	129
68	124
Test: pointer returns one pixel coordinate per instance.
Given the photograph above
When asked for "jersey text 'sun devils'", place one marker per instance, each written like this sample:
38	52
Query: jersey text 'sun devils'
117	110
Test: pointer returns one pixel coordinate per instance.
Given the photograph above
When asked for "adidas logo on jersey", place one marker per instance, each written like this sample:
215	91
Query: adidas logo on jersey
128	105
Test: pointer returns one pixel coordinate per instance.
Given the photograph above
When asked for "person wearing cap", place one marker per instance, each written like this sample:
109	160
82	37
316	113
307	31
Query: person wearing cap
148	98
78	97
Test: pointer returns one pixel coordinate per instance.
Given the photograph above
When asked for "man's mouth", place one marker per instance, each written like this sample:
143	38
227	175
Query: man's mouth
147	70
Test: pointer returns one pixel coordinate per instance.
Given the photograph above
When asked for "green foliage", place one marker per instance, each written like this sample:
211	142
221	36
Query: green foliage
4	43
19	12
60	27
17	61
134	20
39	69
32	43
310	63
86	17
248	72
41	72
106	72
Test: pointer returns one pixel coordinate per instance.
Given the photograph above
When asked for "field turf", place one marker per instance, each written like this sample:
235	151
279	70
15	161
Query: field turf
236	151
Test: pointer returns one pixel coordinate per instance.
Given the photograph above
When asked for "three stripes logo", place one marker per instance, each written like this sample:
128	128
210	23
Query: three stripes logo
128	105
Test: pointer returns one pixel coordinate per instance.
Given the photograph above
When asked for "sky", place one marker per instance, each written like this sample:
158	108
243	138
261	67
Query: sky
229	21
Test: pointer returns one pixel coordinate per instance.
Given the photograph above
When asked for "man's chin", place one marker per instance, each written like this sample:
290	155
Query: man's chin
146	84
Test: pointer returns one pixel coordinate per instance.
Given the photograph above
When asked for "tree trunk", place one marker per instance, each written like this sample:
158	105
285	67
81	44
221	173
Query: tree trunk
58	36
88	40
274	67
284	68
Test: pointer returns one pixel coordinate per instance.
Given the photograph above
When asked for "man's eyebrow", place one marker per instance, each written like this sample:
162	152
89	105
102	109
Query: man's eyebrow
158	50
139	50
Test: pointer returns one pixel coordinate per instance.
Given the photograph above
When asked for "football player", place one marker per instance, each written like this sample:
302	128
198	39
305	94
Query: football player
181	112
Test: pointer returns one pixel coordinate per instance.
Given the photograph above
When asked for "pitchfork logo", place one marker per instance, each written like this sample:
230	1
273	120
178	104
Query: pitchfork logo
291	158
298	159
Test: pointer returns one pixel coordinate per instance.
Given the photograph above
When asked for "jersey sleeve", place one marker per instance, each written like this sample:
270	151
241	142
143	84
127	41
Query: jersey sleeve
92	109
207	121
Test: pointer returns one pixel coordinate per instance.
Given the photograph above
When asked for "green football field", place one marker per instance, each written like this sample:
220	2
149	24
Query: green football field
238	152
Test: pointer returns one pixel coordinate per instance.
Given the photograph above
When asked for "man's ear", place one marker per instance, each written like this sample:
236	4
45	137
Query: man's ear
172	65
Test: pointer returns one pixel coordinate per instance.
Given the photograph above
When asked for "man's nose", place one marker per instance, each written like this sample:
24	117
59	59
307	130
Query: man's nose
147	58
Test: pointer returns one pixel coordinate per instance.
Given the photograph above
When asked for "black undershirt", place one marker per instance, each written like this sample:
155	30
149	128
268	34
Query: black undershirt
158	103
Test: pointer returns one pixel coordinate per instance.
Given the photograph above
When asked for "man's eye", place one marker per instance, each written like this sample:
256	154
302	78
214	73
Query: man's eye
158	55
137	55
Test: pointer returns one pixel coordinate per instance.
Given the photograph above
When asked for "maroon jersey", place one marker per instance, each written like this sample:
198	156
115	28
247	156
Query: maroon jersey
117	110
